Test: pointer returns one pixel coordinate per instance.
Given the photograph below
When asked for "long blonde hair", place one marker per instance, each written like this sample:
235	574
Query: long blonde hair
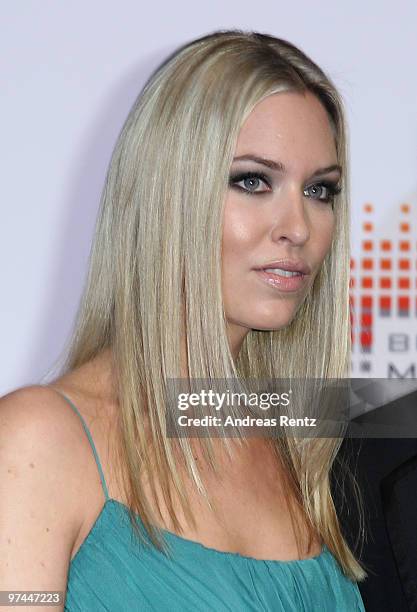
159	226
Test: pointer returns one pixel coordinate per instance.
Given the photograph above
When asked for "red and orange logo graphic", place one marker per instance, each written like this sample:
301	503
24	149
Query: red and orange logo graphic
383	289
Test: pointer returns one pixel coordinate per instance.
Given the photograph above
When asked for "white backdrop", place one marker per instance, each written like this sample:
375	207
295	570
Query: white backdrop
69	75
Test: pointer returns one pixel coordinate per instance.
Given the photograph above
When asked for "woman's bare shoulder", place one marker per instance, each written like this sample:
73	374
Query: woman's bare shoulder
38	409
41	508
37	417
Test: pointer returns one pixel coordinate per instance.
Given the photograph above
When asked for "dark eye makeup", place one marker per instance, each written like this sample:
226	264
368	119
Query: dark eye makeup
330	188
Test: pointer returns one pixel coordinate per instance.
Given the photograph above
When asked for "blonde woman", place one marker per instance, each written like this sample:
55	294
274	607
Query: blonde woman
230	173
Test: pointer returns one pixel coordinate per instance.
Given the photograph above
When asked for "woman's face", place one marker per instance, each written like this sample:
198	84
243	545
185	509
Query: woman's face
277	210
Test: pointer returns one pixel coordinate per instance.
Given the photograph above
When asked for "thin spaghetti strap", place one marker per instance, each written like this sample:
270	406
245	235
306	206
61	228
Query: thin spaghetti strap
103	481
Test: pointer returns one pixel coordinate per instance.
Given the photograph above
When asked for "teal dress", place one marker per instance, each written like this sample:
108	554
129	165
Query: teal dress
113	571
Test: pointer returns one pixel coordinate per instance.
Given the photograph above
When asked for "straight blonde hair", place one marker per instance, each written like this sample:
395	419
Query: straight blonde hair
159	226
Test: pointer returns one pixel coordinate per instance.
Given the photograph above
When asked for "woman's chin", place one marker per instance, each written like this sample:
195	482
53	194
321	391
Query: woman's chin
264	319
271	322
271	325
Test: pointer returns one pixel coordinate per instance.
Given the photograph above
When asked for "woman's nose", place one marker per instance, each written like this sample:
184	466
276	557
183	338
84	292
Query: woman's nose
289	217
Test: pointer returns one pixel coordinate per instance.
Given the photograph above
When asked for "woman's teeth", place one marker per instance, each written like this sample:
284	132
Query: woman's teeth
282	272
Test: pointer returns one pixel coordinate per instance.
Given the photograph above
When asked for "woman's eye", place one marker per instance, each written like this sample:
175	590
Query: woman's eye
324	192
251	182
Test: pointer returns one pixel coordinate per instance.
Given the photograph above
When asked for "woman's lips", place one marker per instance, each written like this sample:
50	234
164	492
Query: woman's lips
283	283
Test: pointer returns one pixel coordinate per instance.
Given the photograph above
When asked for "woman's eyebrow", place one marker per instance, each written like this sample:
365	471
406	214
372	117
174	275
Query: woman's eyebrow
279	166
